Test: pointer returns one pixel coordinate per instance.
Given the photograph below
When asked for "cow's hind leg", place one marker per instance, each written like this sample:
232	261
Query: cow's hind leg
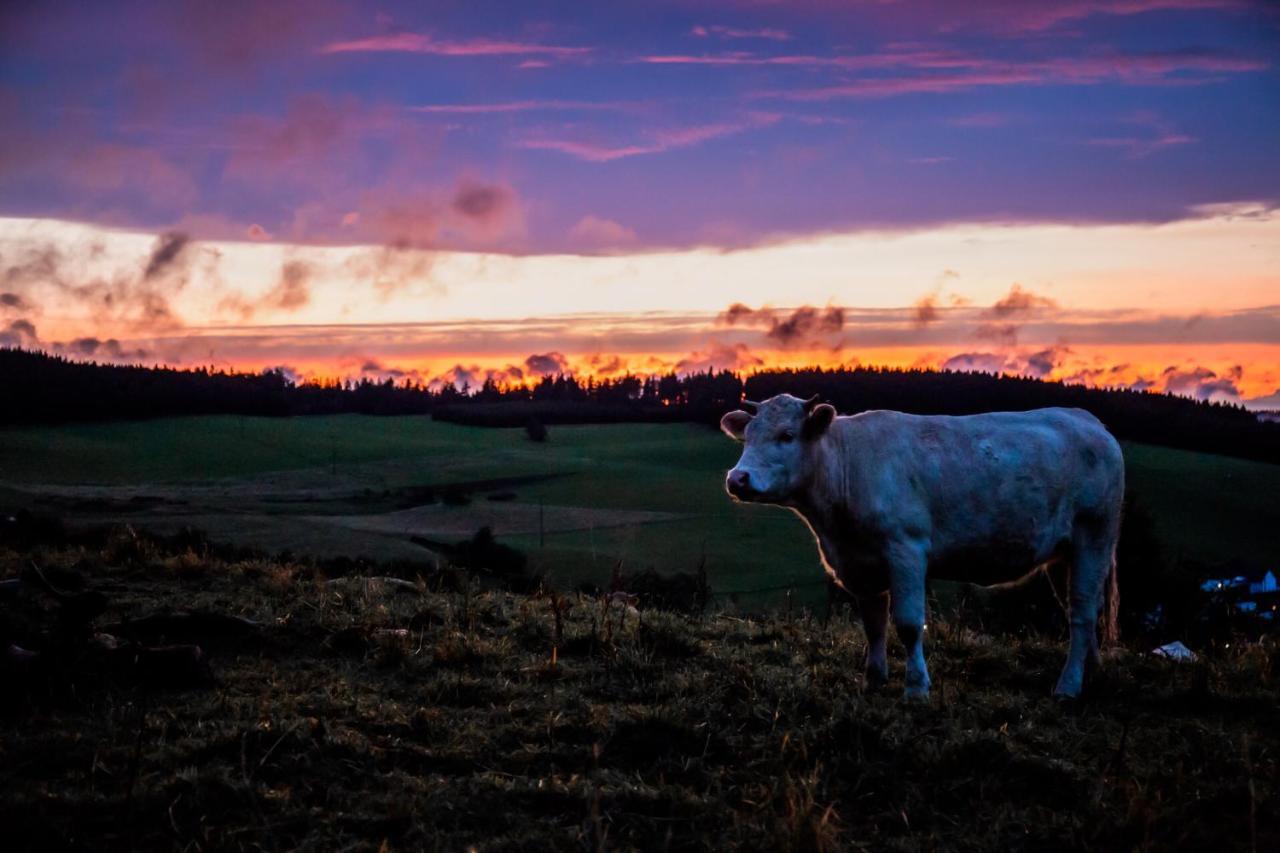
907	566
875	621
1093	550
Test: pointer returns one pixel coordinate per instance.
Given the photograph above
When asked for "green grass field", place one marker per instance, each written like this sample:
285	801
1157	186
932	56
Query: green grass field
292	483
674	469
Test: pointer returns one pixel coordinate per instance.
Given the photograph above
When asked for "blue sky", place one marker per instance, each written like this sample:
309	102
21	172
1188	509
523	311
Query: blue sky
682	123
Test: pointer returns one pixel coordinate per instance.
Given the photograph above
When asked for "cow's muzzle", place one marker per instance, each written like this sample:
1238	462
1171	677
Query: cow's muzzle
738	484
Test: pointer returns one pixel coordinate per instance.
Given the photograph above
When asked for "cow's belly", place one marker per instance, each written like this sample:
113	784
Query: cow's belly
1000	538
992	563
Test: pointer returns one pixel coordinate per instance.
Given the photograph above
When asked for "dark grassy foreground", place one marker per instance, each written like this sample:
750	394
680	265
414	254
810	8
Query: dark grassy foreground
367	716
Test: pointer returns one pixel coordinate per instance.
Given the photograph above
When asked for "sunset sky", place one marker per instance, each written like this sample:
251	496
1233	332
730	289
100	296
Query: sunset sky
1085	190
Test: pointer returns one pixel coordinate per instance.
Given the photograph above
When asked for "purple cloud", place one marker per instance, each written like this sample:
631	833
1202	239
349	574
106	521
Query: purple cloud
428	44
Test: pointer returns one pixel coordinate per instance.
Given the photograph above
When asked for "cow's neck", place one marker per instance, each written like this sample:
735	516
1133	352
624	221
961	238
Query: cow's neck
818	502
823	500
825	505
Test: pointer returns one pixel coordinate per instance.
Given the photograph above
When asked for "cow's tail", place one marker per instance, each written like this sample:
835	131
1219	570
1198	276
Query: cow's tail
1111	607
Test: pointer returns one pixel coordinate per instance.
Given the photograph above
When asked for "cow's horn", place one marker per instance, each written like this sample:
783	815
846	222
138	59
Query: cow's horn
752	403
811	402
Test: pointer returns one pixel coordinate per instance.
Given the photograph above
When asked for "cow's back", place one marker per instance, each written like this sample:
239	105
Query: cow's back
990	494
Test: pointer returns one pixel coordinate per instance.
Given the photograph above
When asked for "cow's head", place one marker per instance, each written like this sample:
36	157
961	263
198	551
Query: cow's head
777	459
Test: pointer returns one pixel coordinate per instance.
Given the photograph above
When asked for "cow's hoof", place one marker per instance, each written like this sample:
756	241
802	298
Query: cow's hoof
1066	692
874	679
916	693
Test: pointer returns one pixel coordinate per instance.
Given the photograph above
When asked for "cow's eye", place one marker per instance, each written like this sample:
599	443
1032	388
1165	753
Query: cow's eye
786	437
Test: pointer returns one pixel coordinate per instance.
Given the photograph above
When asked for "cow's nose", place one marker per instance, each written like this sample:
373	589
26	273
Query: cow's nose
738	481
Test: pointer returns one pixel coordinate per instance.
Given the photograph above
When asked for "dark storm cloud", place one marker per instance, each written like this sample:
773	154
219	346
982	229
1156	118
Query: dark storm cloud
1017	301
804	325
926	310
606	365
1043	362
19	333
34	264
472	377
719	356
392	267
481	202
109	350
1005	317
138	298
1038	364
1202	383
166	255
984	362
292	291
547	364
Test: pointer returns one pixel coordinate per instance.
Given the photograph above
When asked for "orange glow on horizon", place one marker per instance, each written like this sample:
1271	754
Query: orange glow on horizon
1255	368
1189	306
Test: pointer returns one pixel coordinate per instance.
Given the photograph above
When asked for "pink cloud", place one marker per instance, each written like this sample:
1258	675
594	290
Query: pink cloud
881	59
599	232
1030	17
483	205
237	37
1033	17
1157	134
1201	383
1039	364
658	141
1136	148
979	120
465	376
547	364
589	151
768	33
719	356
972	72
427	44
301	144
472	214
521	107
111	167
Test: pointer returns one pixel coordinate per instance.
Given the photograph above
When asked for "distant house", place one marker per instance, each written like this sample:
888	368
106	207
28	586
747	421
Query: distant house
1224	584
1249	591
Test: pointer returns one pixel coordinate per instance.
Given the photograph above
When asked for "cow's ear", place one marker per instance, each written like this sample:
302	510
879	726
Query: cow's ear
818	420
734	424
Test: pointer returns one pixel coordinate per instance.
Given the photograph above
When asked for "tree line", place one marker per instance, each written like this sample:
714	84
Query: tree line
38	388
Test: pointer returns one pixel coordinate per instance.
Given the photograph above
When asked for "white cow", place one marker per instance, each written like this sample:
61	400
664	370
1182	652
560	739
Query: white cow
891	497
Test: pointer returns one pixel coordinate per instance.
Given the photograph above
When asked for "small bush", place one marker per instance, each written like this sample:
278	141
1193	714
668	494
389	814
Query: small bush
536	430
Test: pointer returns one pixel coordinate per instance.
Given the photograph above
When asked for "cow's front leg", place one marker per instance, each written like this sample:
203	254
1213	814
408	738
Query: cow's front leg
907	566
875	621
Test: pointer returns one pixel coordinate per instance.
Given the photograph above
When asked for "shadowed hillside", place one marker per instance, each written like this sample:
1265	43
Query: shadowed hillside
378	714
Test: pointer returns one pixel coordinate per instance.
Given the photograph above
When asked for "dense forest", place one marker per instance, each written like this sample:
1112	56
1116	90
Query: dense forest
36	388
